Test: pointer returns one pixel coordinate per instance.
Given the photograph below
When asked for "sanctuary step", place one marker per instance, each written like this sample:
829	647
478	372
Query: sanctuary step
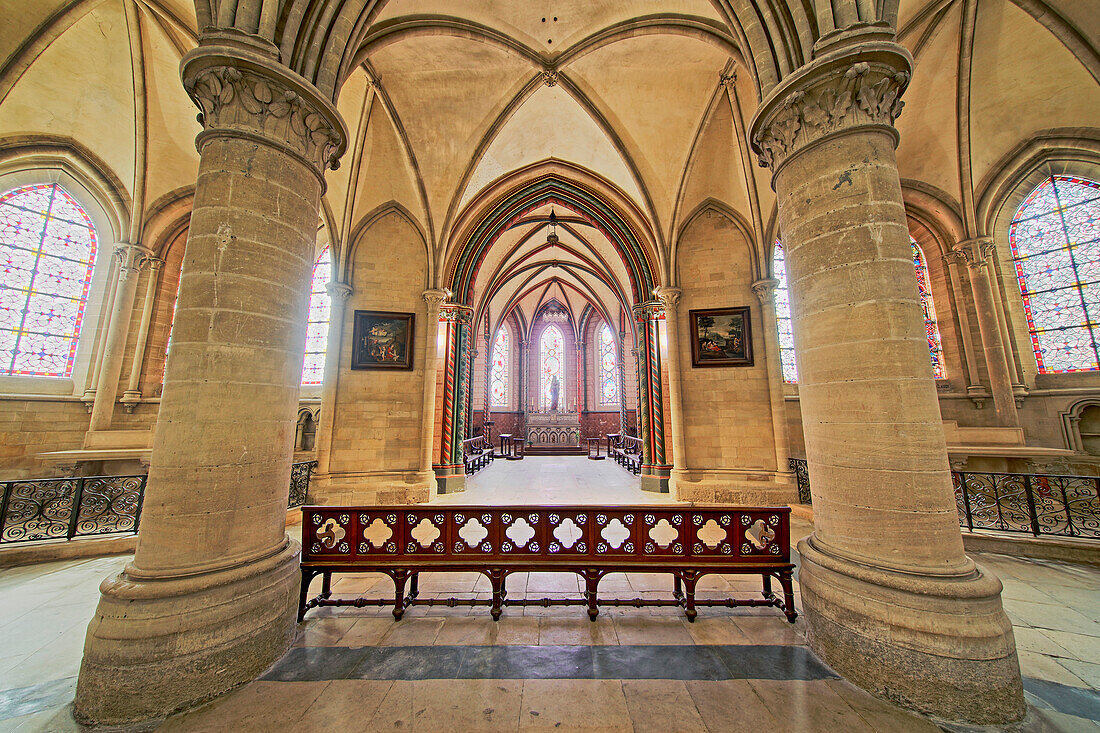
555	450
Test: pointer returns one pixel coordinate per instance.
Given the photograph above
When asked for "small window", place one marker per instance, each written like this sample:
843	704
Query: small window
498	375
609	367
320	310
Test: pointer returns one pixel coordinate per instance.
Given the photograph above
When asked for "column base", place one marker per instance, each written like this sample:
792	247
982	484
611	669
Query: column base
737	487
655	478
368	488
450	484
159	645
941	645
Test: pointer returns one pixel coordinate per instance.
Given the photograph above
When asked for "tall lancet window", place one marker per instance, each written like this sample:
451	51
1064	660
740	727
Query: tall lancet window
550	362
313	369
783	316
47	252
1055	239
931	328
498	373
609	367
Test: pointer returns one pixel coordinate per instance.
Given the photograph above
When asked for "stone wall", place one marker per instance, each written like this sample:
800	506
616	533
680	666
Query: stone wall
29	427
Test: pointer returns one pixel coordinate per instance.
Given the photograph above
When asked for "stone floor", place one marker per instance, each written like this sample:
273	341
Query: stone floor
548	668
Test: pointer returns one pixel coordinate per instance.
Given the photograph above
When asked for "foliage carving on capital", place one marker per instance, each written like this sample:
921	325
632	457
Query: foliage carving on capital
974	253
260	100
669	296
434	298
454	313
649	311
842	93
338	291
764	290
131	258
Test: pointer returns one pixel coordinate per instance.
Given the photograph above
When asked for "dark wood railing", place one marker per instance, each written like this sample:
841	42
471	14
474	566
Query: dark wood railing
91	506
686	542
1026	503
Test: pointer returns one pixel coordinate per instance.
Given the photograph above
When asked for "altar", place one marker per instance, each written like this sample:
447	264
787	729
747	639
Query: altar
554	429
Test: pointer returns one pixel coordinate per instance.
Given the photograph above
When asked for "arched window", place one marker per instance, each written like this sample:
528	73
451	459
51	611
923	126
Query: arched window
550	361
47	251
498	373
1055	240
313	369
783	316
931	328
609	367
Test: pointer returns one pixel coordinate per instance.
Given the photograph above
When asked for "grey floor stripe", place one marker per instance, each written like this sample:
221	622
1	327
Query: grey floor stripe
1063	698
695	662
26	700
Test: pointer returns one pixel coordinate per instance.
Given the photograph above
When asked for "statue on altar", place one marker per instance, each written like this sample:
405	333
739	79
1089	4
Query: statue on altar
555	389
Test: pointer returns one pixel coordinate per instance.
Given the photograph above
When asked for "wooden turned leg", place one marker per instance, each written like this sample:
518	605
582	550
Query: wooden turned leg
690	577
785	579
307	578
399	578
591	583
496	578
677	588
768	595
326	584
414	585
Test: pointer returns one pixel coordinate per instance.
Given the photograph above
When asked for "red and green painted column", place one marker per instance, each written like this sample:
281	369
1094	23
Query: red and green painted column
655	469
450	475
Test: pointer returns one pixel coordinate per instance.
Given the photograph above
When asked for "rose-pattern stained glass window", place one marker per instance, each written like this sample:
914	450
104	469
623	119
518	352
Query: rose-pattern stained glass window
47	251
931	327
783	316
550	362
609	367
498	371
1055	240
320	307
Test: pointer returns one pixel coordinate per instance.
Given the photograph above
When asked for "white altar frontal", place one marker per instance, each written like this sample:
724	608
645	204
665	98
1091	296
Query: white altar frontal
553	429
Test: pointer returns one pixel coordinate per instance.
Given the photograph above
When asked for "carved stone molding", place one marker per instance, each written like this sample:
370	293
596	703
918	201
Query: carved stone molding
974	253
338	291
245	94
550	77
434	298
764	290
669	296
131	258
855	87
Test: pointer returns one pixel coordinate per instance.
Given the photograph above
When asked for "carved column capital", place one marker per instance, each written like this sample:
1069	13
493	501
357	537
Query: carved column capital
974	253
669	296
764	290
131	258
243	93
859	86
339	292
434	298
648	311
455	313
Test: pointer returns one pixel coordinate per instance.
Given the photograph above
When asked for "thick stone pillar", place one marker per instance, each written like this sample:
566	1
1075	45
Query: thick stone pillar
130	259
765	293
651	407
670	301
209	600
892	601
434	299
450	471
976	253
338	294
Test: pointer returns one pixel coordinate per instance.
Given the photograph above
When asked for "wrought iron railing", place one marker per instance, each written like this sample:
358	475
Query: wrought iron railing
91	506
1028	503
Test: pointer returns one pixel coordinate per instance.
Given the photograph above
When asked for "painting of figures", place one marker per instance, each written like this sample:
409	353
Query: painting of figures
382	340
721	337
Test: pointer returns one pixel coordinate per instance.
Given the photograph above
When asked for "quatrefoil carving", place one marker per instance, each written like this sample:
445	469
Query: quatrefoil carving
330	533
377	533
425	532
567	532
520	532
711	534
615	533
663	533
759	534
473	532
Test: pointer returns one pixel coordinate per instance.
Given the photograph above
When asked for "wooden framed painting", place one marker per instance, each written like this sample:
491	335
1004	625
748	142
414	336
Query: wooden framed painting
382	340
721	337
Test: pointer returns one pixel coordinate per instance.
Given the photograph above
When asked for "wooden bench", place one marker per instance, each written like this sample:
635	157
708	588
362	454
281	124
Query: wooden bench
687	542
626	450
477	453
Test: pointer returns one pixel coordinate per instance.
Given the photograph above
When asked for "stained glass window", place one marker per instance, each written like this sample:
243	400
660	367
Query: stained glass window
931	328
1055	240
498	372
609	367
47	252
783	316
313	369
550	360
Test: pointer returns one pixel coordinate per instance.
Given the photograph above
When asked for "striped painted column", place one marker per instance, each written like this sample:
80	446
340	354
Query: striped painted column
655	470
449	471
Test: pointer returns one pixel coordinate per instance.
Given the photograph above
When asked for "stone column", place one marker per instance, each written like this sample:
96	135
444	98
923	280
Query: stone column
524	367
623	414
338	294
765	293
670	300
450	473
892	601
434	299
976	253
132	396
655	471
130	259
209	600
